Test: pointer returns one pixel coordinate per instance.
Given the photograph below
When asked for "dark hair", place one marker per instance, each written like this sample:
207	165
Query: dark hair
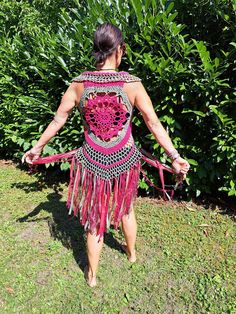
107	38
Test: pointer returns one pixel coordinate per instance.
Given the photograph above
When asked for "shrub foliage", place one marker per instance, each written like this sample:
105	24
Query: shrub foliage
184	51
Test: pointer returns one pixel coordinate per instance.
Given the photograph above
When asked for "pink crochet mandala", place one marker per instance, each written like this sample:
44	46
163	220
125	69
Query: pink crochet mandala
105	116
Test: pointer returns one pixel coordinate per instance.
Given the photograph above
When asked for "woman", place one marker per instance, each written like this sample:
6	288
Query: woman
105	170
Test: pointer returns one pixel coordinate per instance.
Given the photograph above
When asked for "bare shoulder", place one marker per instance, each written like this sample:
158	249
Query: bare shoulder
77	88
132	89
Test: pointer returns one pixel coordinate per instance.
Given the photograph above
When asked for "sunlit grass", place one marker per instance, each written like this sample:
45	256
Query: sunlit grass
185	256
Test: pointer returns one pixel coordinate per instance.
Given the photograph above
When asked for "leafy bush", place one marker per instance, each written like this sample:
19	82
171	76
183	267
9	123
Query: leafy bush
183	51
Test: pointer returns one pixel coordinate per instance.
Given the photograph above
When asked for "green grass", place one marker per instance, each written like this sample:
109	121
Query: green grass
185	255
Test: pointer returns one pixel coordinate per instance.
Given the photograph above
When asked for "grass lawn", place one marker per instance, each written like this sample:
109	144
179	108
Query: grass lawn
186	255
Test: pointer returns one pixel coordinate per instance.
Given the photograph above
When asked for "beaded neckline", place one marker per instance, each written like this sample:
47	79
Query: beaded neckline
106	77
105	72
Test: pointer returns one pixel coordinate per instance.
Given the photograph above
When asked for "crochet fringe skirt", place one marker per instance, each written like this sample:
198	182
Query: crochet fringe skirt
99	200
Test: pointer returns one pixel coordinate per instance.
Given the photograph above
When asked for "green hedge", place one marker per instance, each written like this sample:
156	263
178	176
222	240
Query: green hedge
184	52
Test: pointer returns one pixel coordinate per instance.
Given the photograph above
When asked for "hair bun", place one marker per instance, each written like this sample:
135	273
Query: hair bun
100	56
106	40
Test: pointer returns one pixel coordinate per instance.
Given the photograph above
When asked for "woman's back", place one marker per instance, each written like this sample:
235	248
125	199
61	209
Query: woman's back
108	157
105	105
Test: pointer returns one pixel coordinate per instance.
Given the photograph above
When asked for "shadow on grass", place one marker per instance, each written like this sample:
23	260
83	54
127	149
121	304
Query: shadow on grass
226	206
46	178
62	226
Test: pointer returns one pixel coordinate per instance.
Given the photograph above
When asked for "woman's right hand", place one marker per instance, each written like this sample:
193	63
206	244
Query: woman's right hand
31	155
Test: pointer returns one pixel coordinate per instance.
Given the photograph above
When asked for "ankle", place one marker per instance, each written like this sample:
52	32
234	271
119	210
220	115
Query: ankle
131	251
91	273
133	254
90	277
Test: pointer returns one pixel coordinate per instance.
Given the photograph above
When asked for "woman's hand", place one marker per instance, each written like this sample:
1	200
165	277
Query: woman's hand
180	167
31	155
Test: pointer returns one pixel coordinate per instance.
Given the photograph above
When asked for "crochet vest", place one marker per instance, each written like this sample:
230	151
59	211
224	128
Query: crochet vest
106	111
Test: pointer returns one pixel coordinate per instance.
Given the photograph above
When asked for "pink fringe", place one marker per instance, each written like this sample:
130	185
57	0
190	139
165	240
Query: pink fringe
153	161
95	201
55	158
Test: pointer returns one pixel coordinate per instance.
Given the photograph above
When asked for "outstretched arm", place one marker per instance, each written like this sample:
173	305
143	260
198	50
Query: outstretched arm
144	105
68	101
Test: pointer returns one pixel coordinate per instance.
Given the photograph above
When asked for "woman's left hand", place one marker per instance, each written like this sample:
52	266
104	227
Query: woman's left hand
180	167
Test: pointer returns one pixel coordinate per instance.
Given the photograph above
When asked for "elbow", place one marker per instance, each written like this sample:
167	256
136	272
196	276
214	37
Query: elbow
60	120
153	125
58	123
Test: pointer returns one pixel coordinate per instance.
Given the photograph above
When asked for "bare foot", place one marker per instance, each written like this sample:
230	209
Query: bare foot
131	256
90	279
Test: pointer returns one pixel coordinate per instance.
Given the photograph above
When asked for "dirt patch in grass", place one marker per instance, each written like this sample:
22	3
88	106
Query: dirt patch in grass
32	233
43	277
5	162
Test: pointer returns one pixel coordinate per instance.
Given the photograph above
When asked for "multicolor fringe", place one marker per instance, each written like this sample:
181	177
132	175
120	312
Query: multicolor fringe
98	202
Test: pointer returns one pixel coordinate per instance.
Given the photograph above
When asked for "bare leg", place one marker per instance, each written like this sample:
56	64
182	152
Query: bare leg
94	248
129	226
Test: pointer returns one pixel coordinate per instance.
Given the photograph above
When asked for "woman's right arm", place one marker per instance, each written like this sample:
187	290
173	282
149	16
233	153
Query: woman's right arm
68	101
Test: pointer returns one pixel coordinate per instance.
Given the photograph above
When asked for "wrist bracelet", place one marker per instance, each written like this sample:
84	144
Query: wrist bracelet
173	154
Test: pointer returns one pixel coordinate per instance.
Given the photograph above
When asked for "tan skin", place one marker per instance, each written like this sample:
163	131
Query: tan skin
139	98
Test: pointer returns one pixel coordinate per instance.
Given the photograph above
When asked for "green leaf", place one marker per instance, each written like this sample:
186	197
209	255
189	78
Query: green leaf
64	166
232	193
196	112
63	63
137	5
193	162
198	192
233	44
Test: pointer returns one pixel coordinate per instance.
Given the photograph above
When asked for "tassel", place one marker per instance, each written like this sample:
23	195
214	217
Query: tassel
163	190
72	172
72	200
153	161
98	205
102	208
132	188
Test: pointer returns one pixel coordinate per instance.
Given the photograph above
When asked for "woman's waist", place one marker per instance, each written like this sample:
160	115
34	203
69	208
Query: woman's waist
128	153
112	145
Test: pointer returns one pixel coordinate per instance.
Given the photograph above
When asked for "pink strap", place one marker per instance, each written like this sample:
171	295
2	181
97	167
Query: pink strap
55	158
153	161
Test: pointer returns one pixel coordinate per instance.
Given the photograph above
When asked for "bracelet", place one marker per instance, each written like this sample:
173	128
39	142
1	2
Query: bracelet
173	154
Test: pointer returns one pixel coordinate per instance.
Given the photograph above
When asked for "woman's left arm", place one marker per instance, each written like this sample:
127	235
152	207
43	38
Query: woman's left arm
144	105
